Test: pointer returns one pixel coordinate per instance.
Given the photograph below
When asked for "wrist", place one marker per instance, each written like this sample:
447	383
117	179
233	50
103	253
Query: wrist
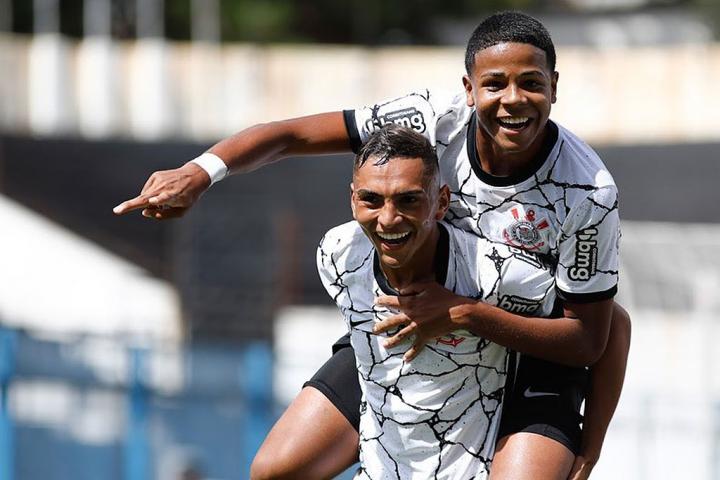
590	456
212	165
462	315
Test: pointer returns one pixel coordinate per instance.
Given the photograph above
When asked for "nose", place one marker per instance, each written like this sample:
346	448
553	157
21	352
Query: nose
513	95
389	215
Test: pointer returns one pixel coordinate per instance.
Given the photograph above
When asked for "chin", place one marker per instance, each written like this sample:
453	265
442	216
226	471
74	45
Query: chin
391	262
509	146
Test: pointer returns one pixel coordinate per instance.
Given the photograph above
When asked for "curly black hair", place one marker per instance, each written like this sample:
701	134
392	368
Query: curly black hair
509	27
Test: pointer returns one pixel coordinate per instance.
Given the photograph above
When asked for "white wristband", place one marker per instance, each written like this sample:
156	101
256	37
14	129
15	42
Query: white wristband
213	165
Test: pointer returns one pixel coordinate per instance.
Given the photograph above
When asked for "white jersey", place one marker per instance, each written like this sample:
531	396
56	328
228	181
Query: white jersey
436	416
565	205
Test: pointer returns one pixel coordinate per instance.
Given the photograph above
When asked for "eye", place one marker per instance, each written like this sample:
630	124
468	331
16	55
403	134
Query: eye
409	200
370	199
493	85
533	84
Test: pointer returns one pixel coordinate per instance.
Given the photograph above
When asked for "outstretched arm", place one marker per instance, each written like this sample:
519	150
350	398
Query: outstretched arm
429	310
170	193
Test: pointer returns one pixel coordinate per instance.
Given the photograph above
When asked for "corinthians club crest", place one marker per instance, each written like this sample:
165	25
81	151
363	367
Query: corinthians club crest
524	232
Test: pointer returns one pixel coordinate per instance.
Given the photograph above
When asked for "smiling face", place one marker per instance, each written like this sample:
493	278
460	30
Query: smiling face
512	89
398	207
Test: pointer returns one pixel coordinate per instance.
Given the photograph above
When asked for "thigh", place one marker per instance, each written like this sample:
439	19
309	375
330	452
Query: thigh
311	440
316	437
540	429
531	456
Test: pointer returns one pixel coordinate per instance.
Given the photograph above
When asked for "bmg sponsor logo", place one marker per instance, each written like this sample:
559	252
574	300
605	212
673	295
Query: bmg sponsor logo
585	255
409	117
519	305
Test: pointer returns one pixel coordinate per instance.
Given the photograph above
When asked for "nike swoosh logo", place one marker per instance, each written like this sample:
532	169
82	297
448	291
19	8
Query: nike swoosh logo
531	394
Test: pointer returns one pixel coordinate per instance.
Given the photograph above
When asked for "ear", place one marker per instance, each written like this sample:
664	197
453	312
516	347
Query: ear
443	202
352	199
468	91
553	85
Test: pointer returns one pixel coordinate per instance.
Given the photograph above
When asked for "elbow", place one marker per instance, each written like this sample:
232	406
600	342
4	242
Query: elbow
621	328
590	351
594	352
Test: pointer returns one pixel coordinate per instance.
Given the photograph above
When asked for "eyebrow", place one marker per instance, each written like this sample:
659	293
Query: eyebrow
364	191
523	74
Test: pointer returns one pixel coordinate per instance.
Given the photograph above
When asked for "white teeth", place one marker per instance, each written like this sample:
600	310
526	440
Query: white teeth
514	120
392	236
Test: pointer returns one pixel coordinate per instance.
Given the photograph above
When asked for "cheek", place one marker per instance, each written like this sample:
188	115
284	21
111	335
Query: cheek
360	214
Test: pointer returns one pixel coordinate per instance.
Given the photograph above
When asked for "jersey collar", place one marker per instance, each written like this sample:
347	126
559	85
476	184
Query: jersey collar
519	177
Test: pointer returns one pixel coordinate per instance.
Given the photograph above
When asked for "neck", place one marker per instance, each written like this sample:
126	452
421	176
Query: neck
420	268
495	161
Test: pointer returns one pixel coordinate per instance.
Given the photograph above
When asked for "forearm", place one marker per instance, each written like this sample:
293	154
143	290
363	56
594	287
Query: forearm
606	382
268	142
566	340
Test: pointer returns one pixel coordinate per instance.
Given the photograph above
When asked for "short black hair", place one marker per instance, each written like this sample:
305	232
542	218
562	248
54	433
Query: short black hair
395	141
509	27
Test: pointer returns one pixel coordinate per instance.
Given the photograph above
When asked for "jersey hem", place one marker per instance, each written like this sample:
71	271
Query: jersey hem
351	127
586	297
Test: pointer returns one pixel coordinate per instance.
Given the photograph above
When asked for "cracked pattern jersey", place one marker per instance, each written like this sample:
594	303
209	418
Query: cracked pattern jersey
564	205
436	416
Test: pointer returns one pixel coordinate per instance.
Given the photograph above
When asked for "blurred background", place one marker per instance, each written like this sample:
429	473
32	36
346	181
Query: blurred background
137	350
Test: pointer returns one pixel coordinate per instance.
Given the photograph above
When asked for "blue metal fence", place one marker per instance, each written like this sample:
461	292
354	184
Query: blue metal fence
100	408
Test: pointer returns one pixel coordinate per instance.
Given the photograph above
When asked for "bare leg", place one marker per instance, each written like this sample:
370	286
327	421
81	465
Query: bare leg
312	440
529	456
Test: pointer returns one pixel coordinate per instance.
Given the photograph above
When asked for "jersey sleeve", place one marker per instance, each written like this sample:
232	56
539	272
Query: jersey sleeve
588	249
416	110
343	255
525	284
330	260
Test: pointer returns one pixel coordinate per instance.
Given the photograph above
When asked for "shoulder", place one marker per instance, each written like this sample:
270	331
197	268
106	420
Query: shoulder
343	238
463	244
345	247
579	164
427	112
344	263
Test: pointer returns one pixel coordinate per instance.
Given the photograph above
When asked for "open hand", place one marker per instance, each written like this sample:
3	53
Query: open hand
424	312
168	193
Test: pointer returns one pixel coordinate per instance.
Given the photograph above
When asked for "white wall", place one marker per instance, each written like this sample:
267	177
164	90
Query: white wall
151	89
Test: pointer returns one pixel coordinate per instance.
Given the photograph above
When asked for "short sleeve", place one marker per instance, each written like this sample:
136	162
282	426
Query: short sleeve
588	249
344	260
416	110
325	267
526	284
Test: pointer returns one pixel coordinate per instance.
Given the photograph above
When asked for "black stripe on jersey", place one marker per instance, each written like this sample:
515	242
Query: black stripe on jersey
351	127
521	176
586	297
442	257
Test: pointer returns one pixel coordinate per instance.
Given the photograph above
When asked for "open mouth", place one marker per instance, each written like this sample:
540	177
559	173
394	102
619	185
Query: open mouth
514	123
393	238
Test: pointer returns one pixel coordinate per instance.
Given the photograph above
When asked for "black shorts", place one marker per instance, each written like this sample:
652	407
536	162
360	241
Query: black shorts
337	379
544	398
540	397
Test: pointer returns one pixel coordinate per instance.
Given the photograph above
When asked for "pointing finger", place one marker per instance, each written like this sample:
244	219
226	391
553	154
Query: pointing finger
133	204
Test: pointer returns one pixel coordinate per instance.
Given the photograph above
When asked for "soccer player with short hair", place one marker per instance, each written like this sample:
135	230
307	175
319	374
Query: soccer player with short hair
436	415
515	177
